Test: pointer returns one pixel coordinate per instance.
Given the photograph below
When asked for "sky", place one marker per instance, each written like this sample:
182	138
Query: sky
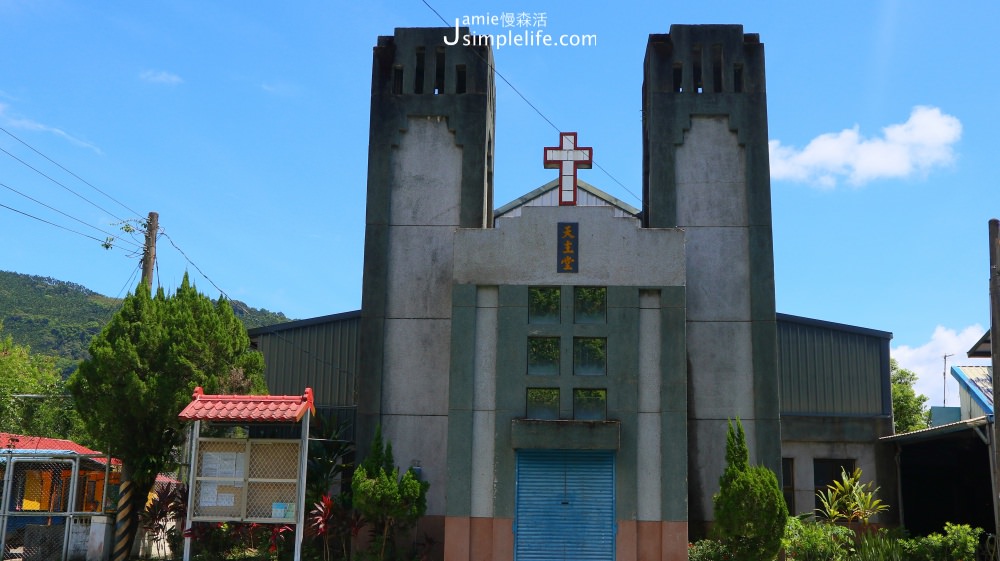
244	125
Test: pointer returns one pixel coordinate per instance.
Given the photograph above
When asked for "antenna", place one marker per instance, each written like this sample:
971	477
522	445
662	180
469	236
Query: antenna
944	378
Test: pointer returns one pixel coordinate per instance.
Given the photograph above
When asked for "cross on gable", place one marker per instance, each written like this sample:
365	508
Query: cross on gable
568	158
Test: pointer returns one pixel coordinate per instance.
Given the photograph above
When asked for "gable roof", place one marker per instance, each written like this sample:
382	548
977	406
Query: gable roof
982	348
978	382
41	444
248	408
547	195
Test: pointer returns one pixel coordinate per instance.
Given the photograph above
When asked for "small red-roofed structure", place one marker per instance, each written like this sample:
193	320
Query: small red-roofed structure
248	408
259	480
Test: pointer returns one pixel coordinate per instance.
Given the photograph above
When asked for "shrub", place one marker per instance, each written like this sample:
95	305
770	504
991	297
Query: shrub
849	500
959	543
878	546
388	502
750	511
708	550
810	540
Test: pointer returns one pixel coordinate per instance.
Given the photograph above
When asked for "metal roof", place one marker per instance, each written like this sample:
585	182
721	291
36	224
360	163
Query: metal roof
982	348
285	326
547	194
42	445
938	431
832	325
978	381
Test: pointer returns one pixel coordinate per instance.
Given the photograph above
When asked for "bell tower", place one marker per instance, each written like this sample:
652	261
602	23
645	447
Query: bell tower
430	172
705	169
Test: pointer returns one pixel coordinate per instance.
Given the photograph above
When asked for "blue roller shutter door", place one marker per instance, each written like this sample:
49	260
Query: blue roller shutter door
565	505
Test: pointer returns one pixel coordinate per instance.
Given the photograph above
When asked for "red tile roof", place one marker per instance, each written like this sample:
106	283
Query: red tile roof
20	442
248	408
23	444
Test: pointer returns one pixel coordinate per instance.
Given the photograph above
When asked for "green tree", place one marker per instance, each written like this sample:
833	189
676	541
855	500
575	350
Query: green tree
908	408
143	368
45	412
388	502
750	511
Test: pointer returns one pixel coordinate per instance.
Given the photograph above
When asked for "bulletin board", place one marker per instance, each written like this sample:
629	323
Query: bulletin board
247	480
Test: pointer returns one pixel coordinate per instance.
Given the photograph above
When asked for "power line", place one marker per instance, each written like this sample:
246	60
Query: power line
91	185
39	172
532	105
197	268
52	223
65	214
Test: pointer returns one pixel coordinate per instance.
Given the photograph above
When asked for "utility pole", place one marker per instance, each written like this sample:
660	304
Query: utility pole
995	355
149	250
944	379
125	517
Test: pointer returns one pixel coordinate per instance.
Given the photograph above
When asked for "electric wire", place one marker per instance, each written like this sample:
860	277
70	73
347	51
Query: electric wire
29	197
120	297
85	199
52	223
91	185
193	264
532	105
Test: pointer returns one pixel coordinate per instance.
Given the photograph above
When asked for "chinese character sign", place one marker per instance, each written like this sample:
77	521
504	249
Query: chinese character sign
568	247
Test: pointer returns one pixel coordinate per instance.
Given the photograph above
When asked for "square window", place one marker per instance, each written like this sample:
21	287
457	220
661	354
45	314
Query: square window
828	470
544	303
543	356
590	404
590	356
543	403
590	304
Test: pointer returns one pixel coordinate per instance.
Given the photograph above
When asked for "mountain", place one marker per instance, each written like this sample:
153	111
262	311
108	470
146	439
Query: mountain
59	318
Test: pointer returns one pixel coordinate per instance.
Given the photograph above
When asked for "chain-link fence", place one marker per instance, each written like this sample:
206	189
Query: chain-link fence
49	500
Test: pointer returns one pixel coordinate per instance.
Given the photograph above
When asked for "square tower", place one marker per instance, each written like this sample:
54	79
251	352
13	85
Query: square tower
430	171
705	169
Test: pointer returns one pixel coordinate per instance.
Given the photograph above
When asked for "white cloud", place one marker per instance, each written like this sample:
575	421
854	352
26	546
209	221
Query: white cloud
927	361
925	141
160	77
282	89
22	123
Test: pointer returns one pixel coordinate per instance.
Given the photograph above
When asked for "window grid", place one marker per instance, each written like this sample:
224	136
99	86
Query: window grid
567	346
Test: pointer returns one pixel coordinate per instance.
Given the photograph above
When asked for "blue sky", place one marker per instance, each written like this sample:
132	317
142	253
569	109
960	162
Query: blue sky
245	125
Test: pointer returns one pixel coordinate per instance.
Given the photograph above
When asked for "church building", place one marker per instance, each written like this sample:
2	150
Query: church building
563	368
565	374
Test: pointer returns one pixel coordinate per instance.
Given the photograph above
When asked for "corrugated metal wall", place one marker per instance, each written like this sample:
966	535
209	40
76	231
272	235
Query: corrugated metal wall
829	371
322	354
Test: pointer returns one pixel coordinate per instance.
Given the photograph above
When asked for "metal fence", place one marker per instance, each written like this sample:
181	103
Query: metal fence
48	501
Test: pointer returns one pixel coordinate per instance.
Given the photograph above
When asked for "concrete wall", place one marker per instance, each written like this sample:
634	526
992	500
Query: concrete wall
706	171
429	172
809	437
803	454
643	270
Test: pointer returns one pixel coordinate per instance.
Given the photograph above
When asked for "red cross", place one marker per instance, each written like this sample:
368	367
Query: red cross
568	158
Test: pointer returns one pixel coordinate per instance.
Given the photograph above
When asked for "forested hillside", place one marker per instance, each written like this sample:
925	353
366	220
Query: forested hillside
59	318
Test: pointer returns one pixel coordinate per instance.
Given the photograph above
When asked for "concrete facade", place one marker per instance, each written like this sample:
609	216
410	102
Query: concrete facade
688	338
430	172
706	171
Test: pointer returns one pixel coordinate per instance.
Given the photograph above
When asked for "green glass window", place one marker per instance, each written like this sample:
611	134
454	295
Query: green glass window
590	404
544	304
590	356
543	403
543	356
590	304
